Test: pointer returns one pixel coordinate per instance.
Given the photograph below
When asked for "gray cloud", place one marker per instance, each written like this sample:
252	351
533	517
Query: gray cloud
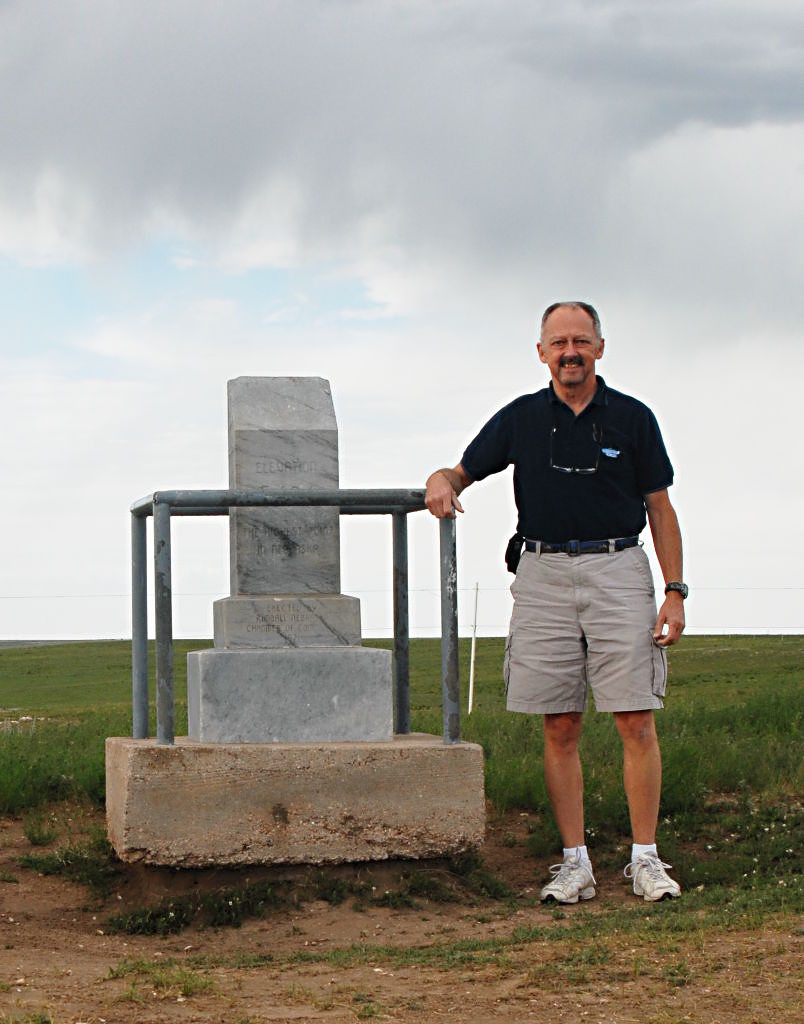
498	140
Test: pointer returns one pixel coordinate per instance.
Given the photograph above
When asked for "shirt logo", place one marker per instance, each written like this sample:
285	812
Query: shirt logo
612	453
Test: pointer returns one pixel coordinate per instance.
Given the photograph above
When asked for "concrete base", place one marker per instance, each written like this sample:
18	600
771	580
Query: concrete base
192	805
293	695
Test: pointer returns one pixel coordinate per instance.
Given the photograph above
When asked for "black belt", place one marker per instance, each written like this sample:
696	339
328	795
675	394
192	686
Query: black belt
582	547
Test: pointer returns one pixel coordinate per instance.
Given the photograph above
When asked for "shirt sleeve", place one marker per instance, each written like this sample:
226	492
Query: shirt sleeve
654	469
490	451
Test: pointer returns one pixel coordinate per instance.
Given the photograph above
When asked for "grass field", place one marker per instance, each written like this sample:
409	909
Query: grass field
395	942
730	743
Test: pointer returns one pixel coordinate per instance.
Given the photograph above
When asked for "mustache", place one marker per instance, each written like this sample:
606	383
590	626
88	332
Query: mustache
570	361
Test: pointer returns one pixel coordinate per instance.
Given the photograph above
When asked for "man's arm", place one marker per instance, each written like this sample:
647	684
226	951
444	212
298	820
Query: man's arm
667	542
443	488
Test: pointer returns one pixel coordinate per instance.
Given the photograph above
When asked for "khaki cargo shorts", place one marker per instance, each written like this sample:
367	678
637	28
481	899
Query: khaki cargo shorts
580	621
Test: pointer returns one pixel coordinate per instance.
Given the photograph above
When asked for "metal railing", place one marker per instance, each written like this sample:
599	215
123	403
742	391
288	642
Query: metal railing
397	503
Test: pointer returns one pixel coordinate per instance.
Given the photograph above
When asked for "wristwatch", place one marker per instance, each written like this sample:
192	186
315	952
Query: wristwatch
680	588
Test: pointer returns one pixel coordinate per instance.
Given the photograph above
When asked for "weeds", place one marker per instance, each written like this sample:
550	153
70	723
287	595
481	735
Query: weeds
678	974
335	889
92	863
229	906
164	978
166	918
36	831
477	879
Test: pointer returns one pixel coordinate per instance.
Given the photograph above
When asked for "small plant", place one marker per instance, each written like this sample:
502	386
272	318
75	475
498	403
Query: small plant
334	890
678	974
428	885
131	994
396	899
366	1007
37	831
6	876
477	878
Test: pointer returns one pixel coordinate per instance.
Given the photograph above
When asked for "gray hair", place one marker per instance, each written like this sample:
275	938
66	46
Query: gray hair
590	311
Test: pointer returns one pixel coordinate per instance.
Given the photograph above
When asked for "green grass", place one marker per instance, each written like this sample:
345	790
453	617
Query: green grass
165	978
730	809
90	862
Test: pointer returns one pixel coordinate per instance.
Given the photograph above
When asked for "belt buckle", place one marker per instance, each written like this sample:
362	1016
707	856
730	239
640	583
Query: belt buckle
573	547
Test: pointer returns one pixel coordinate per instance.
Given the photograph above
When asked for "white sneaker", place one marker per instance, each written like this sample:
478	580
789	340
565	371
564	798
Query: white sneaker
572	880
651	881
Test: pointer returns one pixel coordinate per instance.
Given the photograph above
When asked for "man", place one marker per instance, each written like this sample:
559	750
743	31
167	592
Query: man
589	467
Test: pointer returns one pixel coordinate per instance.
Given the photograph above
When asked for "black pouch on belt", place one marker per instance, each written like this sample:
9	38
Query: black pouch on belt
513	552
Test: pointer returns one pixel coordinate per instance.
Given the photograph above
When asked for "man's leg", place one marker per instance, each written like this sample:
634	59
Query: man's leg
562	774
642	771
572	879
642	776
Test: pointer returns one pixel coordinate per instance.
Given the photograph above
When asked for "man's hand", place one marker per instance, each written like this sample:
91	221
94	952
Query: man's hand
443	488
667	542
671	615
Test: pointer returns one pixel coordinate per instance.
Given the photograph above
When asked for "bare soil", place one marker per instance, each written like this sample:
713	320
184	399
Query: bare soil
58	962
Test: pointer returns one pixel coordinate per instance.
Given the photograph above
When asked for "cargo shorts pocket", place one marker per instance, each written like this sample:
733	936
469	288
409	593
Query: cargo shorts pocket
507	664
659	658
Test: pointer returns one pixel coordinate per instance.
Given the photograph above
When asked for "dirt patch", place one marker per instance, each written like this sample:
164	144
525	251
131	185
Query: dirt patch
471	958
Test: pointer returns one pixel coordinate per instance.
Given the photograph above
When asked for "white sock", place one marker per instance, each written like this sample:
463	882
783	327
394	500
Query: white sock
577	853
638	849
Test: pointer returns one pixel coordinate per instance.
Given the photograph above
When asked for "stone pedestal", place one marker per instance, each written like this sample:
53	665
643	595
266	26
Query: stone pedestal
321	620
288	696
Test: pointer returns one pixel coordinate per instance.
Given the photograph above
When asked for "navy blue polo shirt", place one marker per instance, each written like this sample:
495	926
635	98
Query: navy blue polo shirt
614	450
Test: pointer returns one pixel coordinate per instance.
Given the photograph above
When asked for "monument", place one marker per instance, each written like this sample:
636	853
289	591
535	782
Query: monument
290	755
288	664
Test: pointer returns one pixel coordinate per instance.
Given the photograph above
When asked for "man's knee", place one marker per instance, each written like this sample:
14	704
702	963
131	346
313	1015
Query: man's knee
563	730
636	728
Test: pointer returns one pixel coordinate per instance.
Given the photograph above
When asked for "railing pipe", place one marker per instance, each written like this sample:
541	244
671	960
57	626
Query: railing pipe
139	628
413	500
379	500
450	678
396	502
164	624
401	660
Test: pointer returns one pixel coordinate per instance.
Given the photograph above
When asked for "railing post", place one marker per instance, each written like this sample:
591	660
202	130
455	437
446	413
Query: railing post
164	624
401	661
139	628
450	680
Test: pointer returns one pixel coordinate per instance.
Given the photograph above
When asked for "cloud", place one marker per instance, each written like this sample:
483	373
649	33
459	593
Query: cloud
416	143
428	176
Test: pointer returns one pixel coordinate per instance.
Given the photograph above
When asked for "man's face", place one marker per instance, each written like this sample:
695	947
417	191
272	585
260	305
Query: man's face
570	347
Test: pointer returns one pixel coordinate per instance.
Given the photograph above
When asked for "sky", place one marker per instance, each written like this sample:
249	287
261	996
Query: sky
387	193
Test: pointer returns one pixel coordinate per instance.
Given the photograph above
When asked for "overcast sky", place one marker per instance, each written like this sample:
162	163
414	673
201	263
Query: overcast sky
387	194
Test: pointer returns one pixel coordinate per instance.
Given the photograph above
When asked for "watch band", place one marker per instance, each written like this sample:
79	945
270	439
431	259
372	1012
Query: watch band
679	588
